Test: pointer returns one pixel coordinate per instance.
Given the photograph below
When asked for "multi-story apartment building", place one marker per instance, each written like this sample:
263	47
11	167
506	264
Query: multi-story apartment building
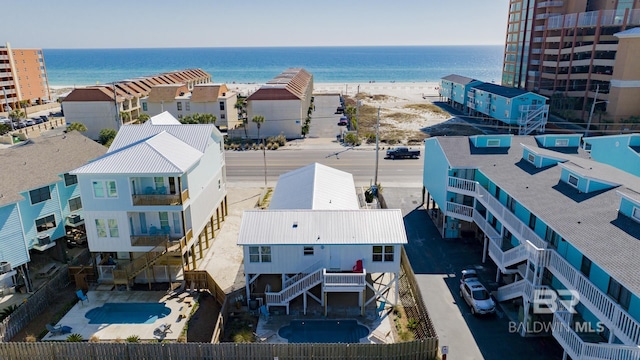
553	218
39	201
113	105
284	102
580	53
153	201
23	77
512	109
179	101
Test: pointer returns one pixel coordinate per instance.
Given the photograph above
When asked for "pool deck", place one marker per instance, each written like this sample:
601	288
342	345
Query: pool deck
79	324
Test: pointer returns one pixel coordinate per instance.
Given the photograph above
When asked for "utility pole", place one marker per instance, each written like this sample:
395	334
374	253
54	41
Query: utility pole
358	119
375	178
115	101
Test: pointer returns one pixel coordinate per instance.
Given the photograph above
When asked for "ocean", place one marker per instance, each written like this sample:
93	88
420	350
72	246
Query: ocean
257	65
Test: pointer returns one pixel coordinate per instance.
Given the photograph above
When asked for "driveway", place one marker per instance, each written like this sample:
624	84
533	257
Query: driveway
324	120
437	263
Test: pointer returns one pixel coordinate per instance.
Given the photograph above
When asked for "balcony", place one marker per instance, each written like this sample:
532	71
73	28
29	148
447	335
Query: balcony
150	198
337	282
546	4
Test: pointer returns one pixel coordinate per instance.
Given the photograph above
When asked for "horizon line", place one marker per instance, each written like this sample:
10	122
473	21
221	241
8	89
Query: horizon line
259	47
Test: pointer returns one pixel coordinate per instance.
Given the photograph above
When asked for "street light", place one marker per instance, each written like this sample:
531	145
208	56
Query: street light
593	107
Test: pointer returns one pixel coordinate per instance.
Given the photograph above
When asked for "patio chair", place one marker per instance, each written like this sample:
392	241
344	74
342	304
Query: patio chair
166	230
380	308
149	190
264	311
58	330
153	230
82	296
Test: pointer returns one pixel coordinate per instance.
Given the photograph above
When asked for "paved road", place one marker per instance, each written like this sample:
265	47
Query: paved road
437	263
246	168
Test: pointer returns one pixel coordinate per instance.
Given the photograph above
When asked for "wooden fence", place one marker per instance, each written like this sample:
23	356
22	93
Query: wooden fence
412	301
203	280
34	305
414	350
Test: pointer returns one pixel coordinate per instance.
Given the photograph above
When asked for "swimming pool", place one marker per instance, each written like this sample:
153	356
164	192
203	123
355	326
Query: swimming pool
323	331
127	313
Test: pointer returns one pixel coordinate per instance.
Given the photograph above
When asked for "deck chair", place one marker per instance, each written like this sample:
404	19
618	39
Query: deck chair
58	330
264	311
380	308
263	337
81	296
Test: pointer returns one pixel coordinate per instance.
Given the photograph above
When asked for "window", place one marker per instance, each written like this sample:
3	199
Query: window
511	204
260	254
383	253
562	142
101	228
493	142
219	184
531	158
176	223
75	204
619	293
111	225
497	192
40	195
159	182
164	219
552	238
585	266
221	105
143	222
532	221
144	106
70	179
573	180
187	106
100	186
179	105
113	228
46	223
308	251
636	213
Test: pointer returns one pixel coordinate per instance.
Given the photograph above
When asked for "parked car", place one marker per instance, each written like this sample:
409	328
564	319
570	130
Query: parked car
20	124
468	274
343	121
37	120
477	297
4	120
44	118
402	153
30	122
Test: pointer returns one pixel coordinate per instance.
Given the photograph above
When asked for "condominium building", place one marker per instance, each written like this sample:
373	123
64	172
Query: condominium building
556	221
113	105
23	77
179	101
582	54
153	202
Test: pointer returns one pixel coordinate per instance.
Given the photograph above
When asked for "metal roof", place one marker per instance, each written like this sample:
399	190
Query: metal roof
315	186
161	154
459	79
503	91
40	161
322	227
164	118
589	221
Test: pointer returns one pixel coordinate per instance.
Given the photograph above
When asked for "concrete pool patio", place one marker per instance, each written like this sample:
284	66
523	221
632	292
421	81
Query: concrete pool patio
179	305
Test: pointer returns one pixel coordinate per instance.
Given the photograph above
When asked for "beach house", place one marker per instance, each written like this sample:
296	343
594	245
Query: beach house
153	201
512	110
179	100
112	105
555	220
39	202
284	102
315	242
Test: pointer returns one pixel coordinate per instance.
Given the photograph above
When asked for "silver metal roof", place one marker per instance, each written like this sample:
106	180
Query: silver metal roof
315	186
322	227
164	118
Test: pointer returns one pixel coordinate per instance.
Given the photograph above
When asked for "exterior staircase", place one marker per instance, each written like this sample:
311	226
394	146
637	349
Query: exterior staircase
123	274
532	118
294	290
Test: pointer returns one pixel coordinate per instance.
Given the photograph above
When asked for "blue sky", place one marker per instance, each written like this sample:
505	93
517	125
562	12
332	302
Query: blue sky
210	23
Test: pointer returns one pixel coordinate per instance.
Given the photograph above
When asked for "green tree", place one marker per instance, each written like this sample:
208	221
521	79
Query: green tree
4	128
125	116
258	120
16	115
106	136
241	107
143	118
199	119
77	127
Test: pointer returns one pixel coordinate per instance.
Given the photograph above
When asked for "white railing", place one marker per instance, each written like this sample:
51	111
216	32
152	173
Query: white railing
602	306
511	291
344	279
549	3
460	211
295	289
579	349
105	272
463	184
316	266
484	225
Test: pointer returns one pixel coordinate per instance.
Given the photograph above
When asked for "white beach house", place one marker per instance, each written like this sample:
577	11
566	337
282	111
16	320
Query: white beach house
314	241
153	201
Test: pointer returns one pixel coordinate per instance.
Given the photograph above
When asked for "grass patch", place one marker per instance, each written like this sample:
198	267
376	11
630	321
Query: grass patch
428	107
401	116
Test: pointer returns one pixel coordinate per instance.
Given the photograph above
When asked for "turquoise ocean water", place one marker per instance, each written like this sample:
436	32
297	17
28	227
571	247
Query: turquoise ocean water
257	65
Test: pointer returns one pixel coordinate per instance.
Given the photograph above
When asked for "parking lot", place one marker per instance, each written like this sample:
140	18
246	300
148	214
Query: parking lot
437	264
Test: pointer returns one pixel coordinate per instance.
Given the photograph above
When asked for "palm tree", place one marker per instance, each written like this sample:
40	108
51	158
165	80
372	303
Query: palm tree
259	119
143	118
80	127
16	115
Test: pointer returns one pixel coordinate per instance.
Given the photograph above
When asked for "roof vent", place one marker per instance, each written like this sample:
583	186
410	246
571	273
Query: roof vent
295	224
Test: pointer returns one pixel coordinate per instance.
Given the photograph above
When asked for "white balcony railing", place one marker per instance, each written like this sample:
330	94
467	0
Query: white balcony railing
460	211
344	279
289	293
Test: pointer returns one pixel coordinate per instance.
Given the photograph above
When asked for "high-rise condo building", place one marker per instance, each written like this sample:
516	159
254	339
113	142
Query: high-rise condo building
23	77
583	54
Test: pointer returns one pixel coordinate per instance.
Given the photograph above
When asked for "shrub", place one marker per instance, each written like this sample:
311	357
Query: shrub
182	339
412	324
30	338
275	146
133	339
118	340
75	338
243	336
94	339
351	139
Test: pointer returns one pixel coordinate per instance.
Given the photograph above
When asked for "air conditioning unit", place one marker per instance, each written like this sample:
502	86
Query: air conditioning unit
44	240
5	267
74	219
